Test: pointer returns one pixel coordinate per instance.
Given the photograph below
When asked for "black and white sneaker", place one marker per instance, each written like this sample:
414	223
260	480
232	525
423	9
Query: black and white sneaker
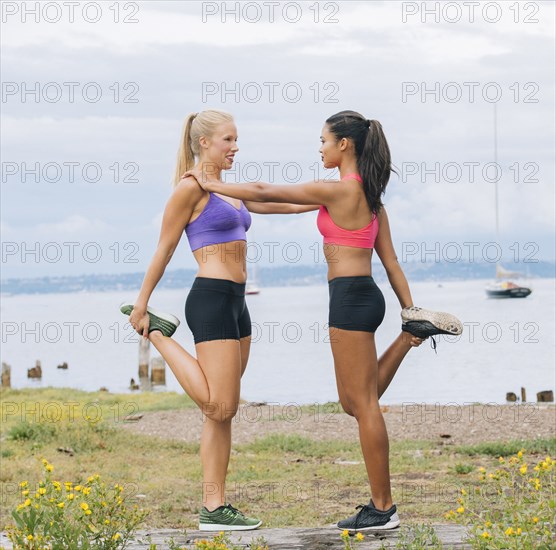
424	322
370	519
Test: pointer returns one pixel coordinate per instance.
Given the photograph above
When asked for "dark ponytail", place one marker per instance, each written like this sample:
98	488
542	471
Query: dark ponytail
371	149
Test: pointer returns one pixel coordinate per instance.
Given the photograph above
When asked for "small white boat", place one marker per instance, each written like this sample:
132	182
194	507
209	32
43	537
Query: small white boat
252	289
507	289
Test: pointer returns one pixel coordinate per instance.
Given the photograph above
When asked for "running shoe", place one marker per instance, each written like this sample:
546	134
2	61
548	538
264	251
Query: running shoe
424	322
164	322
370	519
226	518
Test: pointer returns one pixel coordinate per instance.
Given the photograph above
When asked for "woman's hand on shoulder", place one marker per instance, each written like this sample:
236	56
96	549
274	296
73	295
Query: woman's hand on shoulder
200	177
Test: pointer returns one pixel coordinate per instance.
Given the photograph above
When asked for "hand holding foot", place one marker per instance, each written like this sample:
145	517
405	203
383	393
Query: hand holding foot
139	320
156	320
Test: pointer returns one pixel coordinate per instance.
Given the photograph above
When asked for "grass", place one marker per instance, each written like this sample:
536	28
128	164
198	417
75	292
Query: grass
280	477
507	448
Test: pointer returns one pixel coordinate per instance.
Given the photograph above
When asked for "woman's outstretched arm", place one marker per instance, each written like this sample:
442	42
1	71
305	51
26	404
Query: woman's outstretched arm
279	207
320	192
387	255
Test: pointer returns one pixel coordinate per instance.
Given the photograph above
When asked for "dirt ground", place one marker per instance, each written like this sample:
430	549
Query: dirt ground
450	424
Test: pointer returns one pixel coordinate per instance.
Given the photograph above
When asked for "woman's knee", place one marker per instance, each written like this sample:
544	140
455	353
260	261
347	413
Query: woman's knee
346	406
222	411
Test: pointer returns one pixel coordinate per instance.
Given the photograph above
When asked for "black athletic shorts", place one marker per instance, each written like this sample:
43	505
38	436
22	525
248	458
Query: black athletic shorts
356	303
215	309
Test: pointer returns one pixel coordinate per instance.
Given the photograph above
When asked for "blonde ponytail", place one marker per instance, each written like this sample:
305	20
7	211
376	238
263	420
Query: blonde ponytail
186	157
196	125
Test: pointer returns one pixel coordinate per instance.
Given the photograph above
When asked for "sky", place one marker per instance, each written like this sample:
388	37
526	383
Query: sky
94	95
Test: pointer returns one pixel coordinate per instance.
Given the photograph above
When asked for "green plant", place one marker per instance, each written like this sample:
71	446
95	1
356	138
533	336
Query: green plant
513	507
463	469
416	537
221	541
32	431
349	542
65	515
507	448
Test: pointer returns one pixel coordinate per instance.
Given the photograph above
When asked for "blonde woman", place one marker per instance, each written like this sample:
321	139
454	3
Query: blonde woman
215	308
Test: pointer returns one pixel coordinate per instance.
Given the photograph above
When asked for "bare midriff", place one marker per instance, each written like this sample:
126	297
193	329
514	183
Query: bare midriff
347	261
223	261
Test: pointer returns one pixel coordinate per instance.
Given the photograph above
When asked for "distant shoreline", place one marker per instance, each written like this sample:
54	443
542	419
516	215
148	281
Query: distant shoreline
279	276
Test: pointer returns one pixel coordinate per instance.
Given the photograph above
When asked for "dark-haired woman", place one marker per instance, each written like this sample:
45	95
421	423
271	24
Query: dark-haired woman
215	309
353	222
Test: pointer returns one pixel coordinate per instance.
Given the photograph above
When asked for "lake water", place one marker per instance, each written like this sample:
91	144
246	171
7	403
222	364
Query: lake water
506	344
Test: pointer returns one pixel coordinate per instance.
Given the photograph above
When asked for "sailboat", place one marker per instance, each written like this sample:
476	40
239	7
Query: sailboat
252	287
503	287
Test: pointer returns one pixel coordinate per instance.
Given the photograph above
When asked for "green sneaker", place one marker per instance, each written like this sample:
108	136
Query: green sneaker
164	322
226	518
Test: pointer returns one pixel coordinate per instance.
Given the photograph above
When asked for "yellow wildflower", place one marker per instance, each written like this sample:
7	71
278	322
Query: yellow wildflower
29	537
25	493
117	536
485	535
41	491
359	536
482	470
70	496
460	510
88	512
501	460
523	469
106	522
90	479
488	524
23	484
86	490
60	504
463	492
84	506
345	533
509	531
519	531
535	519
520	454
49	467
27	502
78	488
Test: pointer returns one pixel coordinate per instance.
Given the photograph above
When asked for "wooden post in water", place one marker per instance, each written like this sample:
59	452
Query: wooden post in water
158	371
6	375
36	371
543	396
144	354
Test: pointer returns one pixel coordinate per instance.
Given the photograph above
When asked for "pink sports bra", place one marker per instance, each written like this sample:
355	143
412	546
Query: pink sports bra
358	238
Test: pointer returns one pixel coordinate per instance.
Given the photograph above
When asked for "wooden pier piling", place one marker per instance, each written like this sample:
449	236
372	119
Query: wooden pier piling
158	371
6	375
144	355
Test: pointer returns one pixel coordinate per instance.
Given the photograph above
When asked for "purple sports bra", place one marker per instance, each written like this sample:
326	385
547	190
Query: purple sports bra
219	222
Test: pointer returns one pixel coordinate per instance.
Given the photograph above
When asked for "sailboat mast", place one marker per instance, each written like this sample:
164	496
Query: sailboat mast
496	167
